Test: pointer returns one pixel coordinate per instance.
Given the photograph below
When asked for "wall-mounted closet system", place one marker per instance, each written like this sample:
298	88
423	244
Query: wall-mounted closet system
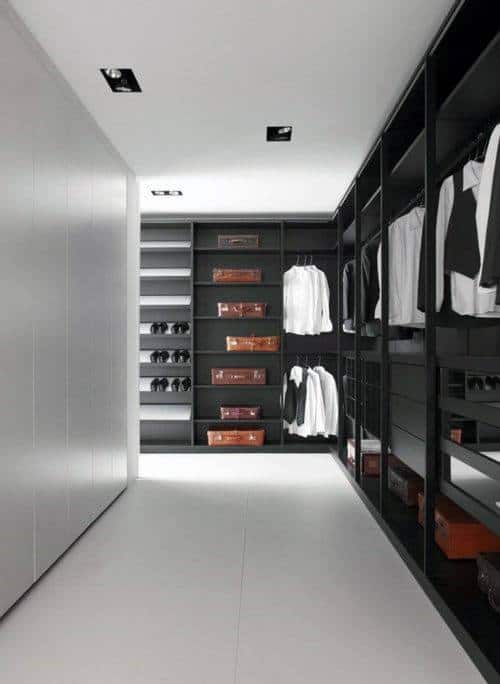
429	389
173	420
63	364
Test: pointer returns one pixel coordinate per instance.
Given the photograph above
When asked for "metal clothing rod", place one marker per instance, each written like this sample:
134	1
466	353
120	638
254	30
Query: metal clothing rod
480	139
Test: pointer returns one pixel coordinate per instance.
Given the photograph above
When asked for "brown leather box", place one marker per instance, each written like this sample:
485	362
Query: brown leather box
488	578
459	535
238	241
230	438
370	457
420	503
405	484
241	309
237	275
253	344
240	412
238	376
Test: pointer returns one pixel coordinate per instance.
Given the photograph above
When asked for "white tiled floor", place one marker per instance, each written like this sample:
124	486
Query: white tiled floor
232	569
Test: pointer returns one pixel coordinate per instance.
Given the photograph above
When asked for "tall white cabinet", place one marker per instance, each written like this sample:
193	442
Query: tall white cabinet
63	228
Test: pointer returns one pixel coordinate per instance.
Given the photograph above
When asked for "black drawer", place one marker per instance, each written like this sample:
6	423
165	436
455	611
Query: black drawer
409	381
408	449
409	415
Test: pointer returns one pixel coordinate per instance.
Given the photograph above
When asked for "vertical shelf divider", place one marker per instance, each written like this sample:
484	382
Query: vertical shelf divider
384	295
431	445
357	340
282	331
193	337
340	341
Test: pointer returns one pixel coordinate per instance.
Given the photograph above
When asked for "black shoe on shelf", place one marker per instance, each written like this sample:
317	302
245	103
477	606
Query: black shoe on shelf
186	384
155	385
163	356
164	385
154	357
175	385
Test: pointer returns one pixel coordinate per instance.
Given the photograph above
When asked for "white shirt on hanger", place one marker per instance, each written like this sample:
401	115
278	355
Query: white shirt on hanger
330	399
405	237
467	297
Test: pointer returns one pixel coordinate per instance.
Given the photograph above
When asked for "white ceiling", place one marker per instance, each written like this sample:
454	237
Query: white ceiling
214	74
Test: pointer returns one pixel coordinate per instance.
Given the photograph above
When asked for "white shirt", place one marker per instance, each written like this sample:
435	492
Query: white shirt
405	237
306	301
330	399
467	297
484	197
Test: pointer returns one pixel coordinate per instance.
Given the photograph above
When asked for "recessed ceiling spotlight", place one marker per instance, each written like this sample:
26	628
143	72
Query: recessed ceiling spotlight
279	133
113	73
121	80
166	193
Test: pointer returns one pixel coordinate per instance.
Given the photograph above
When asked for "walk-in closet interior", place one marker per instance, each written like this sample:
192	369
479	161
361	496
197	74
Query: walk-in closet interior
414	348
156	342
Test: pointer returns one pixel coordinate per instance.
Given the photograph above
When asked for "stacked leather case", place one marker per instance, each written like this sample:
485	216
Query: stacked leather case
459	535
237	275
241	309
405	484
240	412
238	376
238	241
253	344
236	437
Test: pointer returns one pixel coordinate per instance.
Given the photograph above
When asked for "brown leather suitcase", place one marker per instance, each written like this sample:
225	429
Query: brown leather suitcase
236	437
370	459
459	535
237	275
488	578
240	412
405	484
420	503
253	344
238	376
238	241
241	309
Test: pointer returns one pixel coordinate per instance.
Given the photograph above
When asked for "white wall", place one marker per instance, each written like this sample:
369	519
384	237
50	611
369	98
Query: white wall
63	314
133	289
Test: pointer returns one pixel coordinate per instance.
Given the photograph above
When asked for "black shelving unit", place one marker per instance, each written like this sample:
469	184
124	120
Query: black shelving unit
447	109
283	242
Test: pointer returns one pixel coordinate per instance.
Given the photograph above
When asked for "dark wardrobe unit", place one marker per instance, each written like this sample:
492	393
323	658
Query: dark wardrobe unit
431	395
194	245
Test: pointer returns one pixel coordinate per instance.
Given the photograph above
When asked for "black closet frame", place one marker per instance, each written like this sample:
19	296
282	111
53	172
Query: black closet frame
424	569
280	225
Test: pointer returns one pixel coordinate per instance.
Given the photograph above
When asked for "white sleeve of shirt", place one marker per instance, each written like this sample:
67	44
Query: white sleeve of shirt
445	207
326	323
485	193
378	306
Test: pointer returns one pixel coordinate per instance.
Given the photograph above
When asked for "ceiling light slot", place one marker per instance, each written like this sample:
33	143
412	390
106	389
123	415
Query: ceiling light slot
279	133
121	80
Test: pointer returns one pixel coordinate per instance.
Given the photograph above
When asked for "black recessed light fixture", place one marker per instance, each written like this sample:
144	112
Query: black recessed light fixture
279	133
166	193
121	80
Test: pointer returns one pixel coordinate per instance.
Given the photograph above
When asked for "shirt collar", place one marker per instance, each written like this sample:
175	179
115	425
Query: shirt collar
472	174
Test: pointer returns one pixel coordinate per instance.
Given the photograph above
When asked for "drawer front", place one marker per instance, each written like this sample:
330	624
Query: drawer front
409	415
408	381
408	449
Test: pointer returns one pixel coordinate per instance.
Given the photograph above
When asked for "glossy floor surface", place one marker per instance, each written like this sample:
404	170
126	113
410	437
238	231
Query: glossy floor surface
247	569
